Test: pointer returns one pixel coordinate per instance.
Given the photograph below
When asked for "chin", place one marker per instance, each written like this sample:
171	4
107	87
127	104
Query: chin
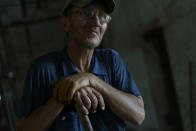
91	44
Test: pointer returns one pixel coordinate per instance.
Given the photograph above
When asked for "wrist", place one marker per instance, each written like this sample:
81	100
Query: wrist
96	83
55	102
93	80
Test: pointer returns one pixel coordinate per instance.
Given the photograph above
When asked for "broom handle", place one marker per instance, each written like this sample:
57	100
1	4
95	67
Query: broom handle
86	123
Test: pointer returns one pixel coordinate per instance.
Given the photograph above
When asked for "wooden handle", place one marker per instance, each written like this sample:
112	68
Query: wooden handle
86	123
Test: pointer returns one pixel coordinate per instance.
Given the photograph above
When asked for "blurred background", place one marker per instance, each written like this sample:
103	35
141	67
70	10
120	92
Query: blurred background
156	38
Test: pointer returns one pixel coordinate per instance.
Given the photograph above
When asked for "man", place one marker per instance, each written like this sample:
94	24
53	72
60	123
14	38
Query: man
96	80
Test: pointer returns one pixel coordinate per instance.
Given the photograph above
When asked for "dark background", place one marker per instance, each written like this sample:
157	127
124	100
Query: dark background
156	39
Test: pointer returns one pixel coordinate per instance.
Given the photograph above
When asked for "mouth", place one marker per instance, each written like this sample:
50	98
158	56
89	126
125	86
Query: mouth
93	31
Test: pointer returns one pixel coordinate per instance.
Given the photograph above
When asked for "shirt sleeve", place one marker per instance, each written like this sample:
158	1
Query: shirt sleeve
26	102
122	78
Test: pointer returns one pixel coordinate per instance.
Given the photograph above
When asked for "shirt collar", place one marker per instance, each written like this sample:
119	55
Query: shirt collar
98	65
68	63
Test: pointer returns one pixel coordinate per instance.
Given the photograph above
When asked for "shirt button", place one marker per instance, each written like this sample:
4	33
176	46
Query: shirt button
63	118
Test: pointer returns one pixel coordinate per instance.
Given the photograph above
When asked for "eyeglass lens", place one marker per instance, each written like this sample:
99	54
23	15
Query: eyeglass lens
89	14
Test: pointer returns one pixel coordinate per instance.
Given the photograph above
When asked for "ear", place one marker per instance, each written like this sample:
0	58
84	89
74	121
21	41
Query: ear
64	22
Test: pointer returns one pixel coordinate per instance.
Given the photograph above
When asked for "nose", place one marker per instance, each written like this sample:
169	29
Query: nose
95	20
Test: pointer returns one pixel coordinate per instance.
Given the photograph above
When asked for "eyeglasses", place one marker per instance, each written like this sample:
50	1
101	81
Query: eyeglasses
89	14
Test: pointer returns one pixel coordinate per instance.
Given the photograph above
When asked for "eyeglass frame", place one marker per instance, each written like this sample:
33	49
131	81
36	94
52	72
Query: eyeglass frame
81	13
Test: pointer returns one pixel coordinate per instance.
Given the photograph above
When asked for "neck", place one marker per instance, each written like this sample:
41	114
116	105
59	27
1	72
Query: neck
80	57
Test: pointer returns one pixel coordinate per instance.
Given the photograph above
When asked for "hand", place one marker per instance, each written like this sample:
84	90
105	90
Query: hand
66	87
88	99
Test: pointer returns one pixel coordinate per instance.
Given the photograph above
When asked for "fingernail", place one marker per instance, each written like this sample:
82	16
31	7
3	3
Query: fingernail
103	108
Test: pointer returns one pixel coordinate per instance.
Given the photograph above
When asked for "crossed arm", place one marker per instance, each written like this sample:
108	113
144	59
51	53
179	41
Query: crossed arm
88	92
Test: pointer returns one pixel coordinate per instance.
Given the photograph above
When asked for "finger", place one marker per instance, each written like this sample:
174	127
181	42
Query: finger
64	88
76	95
66	92
71	90
94	101
85	99
100	99
80	104
56	92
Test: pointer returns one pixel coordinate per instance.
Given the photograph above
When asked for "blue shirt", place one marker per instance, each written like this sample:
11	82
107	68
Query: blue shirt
107	65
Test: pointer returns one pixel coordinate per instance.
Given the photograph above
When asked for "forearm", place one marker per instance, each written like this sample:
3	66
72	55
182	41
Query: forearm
40	119
126	106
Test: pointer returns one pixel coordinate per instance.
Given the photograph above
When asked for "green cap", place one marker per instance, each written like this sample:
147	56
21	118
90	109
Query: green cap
110	4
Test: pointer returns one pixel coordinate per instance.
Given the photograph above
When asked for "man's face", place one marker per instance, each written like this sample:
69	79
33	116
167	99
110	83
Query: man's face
87	25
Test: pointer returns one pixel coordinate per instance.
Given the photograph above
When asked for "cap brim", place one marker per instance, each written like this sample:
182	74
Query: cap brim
110	4
81	3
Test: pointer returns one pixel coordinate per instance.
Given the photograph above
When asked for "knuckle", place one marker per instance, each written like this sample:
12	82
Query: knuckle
82	90
89	89
83	108
99	96
94	98
97	92
85	99
95	103
88	102
77	93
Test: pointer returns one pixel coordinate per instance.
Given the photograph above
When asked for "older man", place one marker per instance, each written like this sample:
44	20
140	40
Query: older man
97	80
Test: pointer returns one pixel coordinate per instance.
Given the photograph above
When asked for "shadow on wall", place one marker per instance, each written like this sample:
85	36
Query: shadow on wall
161	81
